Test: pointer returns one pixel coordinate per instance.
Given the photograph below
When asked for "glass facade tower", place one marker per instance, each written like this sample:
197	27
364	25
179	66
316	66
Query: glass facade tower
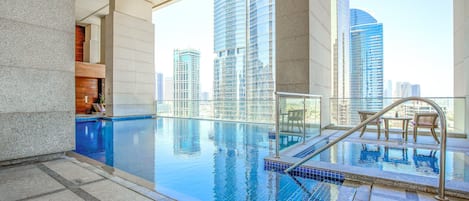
186	73
243	67
340	72
366	62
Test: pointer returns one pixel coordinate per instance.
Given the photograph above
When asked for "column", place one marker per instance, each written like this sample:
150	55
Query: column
130	72
461	62
303	49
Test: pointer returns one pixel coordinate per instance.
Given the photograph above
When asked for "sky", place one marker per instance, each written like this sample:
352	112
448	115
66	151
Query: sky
185	24
418	40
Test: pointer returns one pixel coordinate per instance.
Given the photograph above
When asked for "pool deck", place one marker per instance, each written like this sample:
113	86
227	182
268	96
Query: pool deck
68	179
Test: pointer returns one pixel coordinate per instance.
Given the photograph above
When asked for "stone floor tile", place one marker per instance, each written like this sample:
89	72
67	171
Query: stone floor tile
385	193
108	190
24	182
59	196
72	172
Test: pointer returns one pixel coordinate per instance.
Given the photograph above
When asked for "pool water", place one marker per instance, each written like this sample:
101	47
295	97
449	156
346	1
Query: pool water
197	159
407	160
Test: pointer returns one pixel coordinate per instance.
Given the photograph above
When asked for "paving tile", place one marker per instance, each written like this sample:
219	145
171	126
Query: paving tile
26	181
385	193
72	172
65	195
108	190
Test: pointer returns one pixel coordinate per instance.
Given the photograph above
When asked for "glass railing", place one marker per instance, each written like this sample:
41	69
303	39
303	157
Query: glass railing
298	115
344	111
255	111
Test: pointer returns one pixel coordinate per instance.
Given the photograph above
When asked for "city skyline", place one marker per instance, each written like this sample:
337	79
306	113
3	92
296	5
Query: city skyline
402	61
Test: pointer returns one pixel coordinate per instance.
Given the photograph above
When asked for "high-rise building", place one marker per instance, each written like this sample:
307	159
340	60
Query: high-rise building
186	72
340	72
243	68
406	89
415	90
159	86
366	62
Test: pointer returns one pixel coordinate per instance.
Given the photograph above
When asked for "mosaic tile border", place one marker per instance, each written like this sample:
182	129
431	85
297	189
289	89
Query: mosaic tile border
305	172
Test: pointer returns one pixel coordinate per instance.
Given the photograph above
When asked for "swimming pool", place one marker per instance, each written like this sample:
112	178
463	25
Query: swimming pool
403	160
196	159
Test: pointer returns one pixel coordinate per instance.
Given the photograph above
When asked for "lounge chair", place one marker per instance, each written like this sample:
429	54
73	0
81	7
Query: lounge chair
364	115
425	120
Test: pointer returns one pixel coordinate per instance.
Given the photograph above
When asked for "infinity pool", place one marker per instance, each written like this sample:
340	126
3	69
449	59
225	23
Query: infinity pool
195	159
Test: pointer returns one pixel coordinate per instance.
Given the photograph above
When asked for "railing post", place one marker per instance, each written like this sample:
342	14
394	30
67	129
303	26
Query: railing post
277	127
304	120
320	115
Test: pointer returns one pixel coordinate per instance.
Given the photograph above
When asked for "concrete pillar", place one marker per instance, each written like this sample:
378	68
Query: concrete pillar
37	78
92	48
303	49
461	60
130	72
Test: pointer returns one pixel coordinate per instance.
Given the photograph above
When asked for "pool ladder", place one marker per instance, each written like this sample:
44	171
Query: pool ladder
441	114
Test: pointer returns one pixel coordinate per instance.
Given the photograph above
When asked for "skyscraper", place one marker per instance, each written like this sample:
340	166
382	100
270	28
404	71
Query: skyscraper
366	62
415	90
159	86
243	68
340	71
186	82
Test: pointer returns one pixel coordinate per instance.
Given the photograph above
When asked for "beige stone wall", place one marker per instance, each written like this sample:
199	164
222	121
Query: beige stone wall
461	61
303	49
130	73
37	78
320	53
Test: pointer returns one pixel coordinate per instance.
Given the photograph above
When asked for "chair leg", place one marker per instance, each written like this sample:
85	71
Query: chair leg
434	135
363	130
415	134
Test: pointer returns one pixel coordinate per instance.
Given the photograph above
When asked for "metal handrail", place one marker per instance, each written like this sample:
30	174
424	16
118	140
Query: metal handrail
441	114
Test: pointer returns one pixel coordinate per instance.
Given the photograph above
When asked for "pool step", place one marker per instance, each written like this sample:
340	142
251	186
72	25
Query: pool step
362	190
317	191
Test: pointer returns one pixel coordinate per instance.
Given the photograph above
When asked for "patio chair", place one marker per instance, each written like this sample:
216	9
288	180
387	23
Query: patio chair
295	117
425	120
364	115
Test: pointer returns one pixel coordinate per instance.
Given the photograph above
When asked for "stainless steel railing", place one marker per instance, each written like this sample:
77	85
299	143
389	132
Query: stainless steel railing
442	116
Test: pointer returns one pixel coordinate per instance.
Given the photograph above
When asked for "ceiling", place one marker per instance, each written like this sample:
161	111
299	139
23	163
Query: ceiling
84	9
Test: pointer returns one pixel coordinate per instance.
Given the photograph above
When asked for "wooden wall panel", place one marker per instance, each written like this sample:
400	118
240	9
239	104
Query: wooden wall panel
90	70
79	40
85	87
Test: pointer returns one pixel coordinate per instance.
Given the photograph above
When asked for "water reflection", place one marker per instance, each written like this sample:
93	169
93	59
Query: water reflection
186	137
426	161
120	144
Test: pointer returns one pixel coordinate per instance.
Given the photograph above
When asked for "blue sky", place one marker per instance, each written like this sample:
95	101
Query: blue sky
418	39
418	42
185	24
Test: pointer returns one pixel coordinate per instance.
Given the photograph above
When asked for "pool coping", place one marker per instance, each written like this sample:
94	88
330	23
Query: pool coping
121	177
113	118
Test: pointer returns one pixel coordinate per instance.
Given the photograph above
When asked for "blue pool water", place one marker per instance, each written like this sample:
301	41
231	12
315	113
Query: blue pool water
407	160
196	159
